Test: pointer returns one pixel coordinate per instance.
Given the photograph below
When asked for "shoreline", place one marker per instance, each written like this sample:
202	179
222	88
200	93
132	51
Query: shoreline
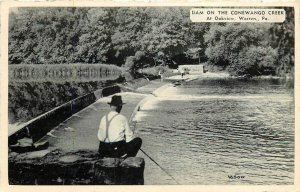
135	85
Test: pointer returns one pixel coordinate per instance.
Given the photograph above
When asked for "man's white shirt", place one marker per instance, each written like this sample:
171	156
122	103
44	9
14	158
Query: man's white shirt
118	128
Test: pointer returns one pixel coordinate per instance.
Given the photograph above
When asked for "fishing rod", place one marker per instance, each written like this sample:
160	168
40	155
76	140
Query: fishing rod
159	166
165	171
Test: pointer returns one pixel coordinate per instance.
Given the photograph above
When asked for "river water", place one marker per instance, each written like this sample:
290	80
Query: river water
205	131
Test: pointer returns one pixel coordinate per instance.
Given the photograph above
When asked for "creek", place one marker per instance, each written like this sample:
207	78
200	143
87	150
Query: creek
220	131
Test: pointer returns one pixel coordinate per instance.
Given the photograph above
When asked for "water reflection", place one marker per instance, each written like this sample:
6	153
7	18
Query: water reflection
62	76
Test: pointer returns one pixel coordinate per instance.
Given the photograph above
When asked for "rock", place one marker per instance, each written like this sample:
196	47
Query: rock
41	145
25	142
36	154
32	155
26	145
135	162
59	180
12	155
109	162
23	145
132	171
107	171
54	167
69	158
21	149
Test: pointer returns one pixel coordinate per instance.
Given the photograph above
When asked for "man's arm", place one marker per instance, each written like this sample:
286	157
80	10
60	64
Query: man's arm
129	135
100	126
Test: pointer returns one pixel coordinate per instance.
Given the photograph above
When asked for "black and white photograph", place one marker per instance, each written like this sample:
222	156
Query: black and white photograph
151	95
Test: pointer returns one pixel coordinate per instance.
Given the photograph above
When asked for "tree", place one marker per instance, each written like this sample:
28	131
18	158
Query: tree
196	41
152	36
44	35
130	62
94	43
138	61
282	38
130	24
167	33
235	45
21	39
194	53
254	61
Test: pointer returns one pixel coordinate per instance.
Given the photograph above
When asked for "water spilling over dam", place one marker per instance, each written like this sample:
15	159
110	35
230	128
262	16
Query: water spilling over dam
217	128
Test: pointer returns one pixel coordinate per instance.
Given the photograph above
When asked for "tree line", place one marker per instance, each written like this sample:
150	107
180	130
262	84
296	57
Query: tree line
141	37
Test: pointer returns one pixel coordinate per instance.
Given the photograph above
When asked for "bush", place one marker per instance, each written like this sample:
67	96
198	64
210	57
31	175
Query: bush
129	63
138	61
254	61
241	48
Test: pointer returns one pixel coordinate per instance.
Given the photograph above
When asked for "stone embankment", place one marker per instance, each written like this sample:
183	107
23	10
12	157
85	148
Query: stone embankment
79	168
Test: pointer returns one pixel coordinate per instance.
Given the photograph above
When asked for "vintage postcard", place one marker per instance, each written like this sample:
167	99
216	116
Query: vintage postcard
179	95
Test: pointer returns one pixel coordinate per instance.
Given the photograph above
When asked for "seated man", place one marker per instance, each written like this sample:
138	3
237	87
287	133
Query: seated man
115	136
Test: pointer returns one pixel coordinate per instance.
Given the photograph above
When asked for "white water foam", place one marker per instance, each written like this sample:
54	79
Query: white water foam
227	97
150	104
139	116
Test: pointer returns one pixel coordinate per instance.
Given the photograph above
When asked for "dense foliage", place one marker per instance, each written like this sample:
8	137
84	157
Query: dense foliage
241	48
146	37
30	99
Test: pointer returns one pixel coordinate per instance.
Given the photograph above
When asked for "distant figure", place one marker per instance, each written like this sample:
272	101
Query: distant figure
115	136
161	75
182	72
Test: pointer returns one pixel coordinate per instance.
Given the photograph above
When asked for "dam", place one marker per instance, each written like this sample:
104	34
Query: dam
200	130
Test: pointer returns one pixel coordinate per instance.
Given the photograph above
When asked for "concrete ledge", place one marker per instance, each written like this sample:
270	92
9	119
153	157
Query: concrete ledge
79	168
41	125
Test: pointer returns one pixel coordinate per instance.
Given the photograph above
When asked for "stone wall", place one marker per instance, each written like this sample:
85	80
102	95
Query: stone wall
80	168
40	126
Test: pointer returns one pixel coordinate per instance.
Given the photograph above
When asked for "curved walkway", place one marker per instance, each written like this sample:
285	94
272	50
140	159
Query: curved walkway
79	132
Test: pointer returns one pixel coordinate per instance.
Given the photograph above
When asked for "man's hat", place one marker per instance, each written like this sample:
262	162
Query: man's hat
116	100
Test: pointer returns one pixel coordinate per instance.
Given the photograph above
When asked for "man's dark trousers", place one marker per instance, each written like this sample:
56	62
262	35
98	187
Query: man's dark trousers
120	148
